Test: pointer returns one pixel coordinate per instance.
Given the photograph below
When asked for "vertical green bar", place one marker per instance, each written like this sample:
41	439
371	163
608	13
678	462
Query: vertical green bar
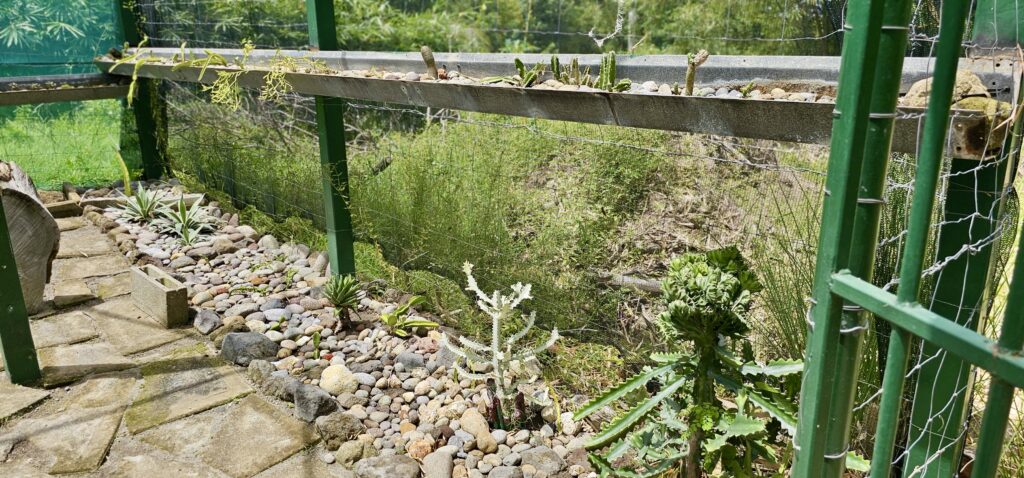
849	133
149	109
961	291
15	335
929	161
939	409
888	76
334	165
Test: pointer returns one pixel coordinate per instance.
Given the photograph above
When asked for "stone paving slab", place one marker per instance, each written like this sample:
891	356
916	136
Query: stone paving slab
113	286
84	242
64	329
70	269
132	459
72	292
17	398
183	383
65	224
239	439
128	328
306	465
74	435
68	363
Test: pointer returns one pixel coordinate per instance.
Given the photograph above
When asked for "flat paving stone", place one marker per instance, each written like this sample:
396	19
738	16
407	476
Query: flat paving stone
85	242
70	269
71	223
183	383
128	328
306	465
74	437
63	329
73	292
17	398
130	459
113	286
68	363
240	439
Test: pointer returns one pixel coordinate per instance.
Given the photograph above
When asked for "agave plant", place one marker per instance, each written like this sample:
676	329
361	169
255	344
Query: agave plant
144	206
188	223
344	292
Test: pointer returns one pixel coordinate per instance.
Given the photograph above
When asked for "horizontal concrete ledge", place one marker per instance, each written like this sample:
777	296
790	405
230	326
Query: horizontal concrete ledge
60	88
792	121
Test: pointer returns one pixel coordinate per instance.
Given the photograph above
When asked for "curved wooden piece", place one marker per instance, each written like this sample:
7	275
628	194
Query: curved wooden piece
35	236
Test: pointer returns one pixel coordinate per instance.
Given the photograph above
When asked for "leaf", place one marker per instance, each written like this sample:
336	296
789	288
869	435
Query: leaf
856	462
667	357
775	368
620	391
740	426
776	407
622	425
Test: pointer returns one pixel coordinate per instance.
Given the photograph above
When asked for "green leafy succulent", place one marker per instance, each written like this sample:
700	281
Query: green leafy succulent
144	206
400	324
344	291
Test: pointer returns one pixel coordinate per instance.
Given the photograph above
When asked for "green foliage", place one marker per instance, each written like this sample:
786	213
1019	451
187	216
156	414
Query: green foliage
188	223
144	206
606	79
344	291
571	75
399	323
708	297
524	79
316	345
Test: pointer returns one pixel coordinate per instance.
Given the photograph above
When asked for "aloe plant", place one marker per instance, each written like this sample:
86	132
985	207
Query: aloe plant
344	292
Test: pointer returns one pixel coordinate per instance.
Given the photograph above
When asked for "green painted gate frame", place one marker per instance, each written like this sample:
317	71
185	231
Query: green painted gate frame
842	291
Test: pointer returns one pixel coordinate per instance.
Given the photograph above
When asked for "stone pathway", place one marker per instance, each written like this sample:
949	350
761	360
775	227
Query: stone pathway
134	399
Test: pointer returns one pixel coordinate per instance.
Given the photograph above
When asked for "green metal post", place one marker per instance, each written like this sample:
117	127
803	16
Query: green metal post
935	441
1000	397
333	163
849	133
15	335
148	107
929	162
888	76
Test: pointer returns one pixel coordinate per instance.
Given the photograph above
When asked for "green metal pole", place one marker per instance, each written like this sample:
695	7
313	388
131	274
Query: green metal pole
15	335
849	133
149	108
929	162
935	441
1000	397
888	76
334	164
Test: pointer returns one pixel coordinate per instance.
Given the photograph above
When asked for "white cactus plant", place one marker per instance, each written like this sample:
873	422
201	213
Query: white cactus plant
503	360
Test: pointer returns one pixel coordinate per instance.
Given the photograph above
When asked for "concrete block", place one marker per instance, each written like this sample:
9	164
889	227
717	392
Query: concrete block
160	295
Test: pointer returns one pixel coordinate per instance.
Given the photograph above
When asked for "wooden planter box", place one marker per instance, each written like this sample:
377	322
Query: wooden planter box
160	295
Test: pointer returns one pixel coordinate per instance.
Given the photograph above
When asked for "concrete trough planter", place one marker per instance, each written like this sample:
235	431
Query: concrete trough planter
160	295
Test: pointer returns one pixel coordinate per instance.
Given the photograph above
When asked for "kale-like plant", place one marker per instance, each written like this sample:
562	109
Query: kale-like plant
344	292
505	357
188	223
683	423
606	79
399	322
143	206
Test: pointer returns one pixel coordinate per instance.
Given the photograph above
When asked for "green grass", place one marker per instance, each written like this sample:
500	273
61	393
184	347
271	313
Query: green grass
75	145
